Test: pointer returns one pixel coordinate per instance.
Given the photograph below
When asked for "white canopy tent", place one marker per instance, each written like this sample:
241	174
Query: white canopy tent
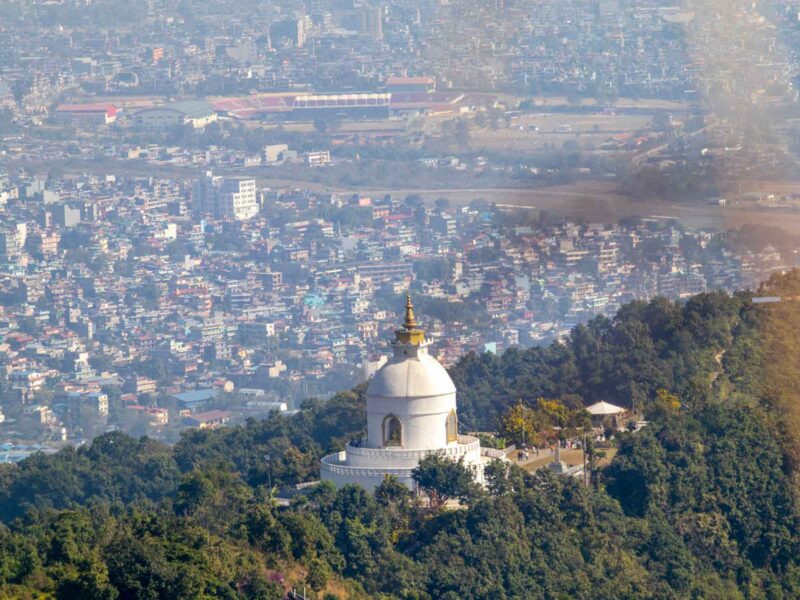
604	409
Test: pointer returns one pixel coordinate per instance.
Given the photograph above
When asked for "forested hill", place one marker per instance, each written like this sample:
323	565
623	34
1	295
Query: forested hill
700	504
646	347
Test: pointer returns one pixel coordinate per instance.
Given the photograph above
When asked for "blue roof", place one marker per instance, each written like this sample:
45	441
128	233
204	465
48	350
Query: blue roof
313	300
196	395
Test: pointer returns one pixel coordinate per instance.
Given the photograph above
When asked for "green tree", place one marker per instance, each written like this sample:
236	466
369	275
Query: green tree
444	479
91	583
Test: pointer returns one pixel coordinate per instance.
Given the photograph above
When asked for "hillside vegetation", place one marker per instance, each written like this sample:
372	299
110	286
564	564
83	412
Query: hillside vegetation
700	504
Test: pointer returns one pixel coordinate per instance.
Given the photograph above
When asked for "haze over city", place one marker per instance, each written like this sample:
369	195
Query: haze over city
399	299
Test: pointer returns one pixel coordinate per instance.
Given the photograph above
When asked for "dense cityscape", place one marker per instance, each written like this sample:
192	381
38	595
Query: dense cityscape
152	304
189	236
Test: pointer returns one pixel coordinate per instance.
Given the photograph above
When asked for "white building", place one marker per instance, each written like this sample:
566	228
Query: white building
411	412
193	113
237	199
319	158
225	198
274	153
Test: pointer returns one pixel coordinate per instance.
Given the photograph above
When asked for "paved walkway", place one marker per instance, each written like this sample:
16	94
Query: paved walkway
571	457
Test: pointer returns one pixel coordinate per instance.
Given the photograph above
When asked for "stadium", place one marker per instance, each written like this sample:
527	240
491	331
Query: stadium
307	107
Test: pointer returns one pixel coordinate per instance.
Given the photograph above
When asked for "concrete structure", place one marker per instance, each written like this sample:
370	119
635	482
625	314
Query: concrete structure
318	158
225	198
11	243
213	419
193	113
423	85
237	199
309	107
411	412
65	215
85	114
275	153
372	21
289	32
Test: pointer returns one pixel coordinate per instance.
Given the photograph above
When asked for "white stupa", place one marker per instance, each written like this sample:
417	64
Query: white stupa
411	412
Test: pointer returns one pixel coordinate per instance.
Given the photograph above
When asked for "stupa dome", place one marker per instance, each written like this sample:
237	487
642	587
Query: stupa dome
420	376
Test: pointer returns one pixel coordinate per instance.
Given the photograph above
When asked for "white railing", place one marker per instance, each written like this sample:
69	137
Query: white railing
466	444
493	453
334	463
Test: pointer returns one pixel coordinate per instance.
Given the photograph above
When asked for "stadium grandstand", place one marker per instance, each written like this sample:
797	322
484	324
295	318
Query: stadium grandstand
310	107
345	106
254	107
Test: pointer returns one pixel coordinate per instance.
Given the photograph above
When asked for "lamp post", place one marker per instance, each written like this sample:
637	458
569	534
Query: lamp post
587	460
268	460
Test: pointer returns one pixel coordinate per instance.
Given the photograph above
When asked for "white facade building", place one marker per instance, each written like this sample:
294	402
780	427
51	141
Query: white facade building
192	113
319	158
225	198
275	153
237	199
411	412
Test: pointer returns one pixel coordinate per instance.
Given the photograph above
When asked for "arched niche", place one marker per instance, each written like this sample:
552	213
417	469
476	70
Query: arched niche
392	432
451	425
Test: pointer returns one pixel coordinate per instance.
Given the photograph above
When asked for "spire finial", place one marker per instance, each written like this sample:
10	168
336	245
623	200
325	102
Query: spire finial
410	321
409	333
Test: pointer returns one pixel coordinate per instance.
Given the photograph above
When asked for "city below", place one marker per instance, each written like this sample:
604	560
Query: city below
188	239
399	299
153	305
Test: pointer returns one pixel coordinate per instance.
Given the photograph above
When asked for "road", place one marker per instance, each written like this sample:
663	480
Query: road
599	202
639	158
594	201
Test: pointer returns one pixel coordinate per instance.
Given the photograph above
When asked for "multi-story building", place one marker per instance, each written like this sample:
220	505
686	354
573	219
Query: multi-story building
65	215
86	114
237	199
225	198
10	245
192	113
318	159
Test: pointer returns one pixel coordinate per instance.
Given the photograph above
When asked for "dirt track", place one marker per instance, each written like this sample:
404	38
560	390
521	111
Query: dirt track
592	201
598	201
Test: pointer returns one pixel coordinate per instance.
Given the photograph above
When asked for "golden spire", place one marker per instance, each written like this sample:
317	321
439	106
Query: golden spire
410	322
410	333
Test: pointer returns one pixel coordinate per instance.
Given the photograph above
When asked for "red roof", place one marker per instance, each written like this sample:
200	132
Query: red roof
249	106
109	109
211	415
